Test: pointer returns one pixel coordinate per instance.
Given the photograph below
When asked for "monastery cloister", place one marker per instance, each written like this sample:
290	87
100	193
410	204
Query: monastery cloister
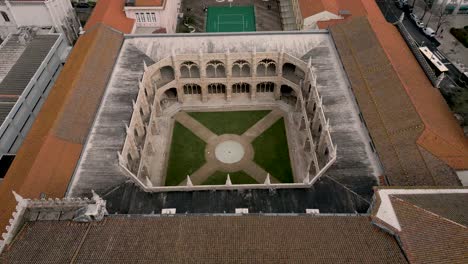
228	81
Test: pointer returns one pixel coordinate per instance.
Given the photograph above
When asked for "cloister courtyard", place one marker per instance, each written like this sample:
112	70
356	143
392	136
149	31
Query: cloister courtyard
247	145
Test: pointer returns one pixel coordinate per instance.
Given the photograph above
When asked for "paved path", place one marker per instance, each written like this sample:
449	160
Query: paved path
212	164
196	127
258	173
262	125
202	174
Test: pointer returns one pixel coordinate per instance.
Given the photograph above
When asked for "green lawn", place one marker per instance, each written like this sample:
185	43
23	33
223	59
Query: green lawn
238	177
272	153
186	156
236	122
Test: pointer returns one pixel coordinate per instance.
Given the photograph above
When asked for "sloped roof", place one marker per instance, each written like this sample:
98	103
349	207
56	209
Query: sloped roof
427	237
206	239
312	7
149	2
442	135
452	206
23	69
111	13
52	148
392	119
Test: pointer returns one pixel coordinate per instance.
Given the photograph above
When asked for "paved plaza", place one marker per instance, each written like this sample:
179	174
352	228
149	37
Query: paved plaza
229	152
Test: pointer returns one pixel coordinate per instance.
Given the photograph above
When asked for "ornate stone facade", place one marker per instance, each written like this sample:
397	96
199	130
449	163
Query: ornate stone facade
235	78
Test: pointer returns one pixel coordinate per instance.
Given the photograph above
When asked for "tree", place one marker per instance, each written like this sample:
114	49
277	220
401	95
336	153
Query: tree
442	19
427	7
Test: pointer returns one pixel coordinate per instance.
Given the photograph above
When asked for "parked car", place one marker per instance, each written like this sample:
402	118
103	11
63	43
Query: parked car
429	32
419	24
414	17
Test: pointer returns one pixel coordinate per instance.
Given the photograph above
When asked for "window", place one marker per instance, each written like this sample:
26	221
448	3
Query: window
138	19
153	17
142	17
5	16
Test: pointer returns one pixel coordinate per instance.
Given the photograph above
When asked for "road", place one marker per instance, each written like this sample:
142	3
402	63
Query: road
392	13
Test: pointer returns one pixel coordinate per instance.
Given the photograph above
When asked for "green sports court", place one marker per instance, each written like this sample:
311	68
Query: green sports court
230	19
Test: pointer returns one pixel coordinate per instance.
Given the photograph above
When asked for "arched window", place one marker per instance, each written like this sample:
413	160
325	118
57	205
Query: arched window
241	88
189	69
215	69
216	88
266	67
240	68
5	16
191	88
265	87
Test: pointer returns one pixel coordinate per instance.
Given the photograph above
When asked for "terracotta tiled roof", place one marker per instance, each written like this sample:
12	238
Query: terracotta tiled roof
52	148
427	237
392	119
452	206
313	7
442	135
111	13
149	2
206	239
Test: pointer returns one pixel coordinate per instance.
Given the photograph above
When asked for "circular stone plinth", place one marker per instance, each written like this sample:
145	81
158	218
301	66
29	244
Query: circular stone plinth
229	152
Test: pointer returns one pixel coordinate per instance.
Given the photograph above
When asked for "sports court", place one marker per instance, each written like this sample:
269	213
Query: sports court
230	19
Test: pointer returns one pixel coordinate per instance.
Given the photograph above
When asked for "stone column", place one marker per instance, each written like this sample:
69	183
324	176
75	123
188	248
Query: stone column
228	91
277	90
175	66
253	90
253	67
202	69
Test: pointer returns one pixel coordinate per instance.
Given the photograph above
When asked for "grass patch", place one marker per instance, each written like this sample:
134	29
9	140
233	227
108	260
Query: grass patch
461	34
186	156
236	122
272	152
238	177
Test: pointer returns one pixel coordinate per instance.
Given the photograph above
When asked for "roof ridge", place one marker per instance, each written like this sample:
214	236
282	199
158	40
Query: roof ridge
393	196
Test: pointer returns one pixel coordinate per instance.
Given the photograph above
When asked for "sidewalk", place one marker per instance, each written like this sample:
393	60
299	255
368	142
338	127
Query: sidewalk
449	45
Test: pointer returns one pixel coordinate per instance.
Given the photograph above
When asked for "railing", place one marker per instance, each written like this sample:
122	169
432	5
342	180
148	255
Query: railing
413	45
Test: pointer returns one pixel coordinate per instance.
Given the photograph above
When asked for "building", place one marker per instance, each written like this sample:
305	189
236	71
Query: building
137	17
55	15
30	63
153	16
453	6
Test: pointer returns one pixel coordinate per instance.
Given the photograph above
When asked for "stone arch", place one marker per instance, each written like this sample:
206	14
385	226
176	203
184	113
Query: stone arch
192	89
215	69
266	67
216	88
241	88
171	93
288	94
293	73
163	76
5	16
189	69
266	87
241	68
